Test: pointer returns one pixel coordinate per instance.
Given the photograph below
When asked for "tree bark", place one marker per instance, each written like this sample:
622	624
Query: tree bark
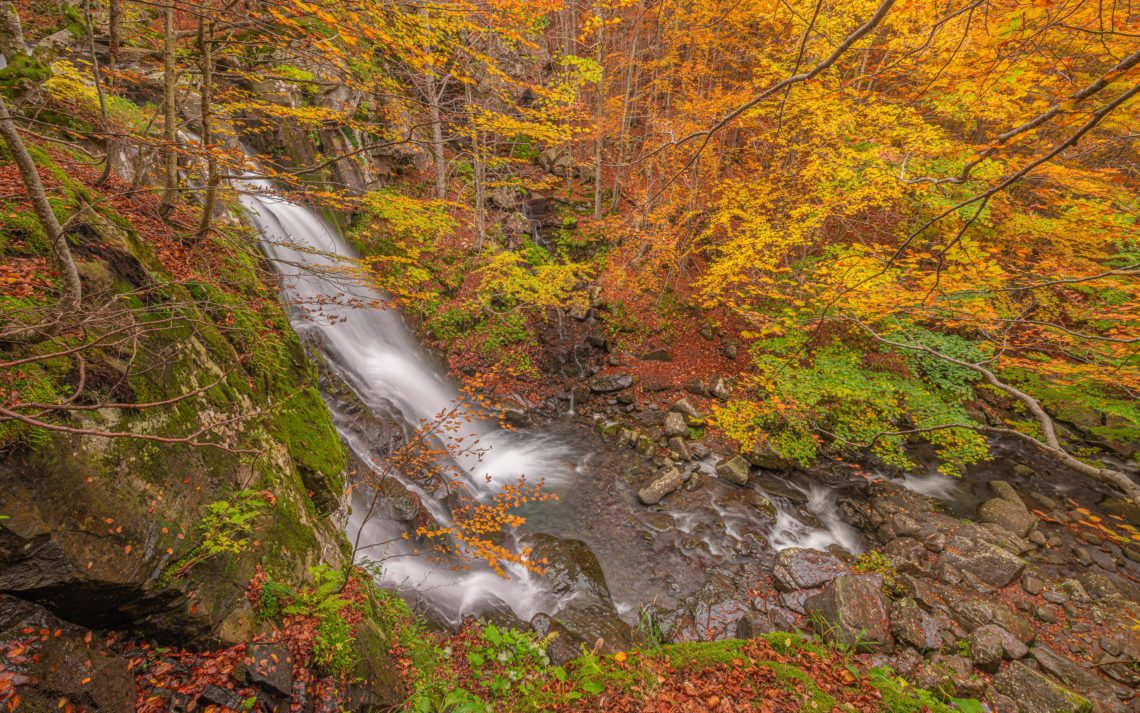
170	113
434	87
115	39
11	31
599	114
71	289
210	199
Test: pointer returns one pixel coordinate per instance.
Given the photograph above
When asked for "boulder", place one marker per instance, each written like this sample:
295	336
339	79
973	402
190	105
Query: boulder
1007	515
1105	694
686	407
657	355
582	624
675	425
991	564
665	482
916	628
762	455
720	388
506	197
852	610
986	648
734	470
270	668
70	665
558	162
610	383
769	619
972	612
1036	692
570	567
697	387
798	568
680	448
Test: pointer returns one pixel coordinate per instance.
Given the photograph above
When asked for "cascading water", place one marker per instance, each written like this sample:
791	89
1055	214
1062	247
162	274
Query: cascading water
372	349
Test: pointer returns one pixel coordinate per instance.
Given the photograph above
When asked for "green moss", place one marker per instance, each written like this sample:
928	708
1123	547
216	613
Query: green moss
303	424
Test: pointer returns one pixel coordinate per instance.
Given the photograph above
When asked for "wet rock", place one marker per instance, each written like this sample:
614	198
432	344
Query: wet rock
916	628
270	668
65	665
767	620
971	613
991	564
611	383
664	483
950	675
1007	515
1105	694
1012	648
580	624
762	455
852	610
798	568
675	425
218	696
571	566
734	470
907	555
797	600
1036	692
712	612
986	648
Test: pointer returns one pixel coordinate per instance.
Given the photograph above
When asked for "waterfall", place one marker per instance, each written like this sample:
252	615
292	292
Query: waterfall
371	348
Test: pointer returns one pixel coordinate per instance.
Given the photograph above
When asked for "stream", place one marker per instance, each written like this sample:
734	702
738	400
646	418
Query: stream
647	555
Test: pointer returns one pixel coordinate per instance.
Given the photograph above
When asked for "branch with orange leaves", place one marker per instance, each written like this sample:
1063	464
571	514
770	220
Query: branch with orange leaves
707	134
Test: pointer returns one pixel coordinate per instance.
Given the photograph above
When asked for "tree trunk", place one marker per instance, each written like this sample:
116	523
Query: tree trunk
210	199
599	114
479	167
11	31
170	114
435	89
115	41
97	78
70	287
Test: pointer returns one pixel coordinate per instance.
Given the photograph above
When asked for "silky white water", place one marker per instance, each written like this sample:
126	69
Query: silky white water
374	352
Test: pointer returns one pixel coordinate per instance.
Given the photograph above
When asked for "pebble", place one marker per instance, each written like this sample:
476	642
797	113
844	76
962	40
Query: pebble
1038	538
1083	556
1055	596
